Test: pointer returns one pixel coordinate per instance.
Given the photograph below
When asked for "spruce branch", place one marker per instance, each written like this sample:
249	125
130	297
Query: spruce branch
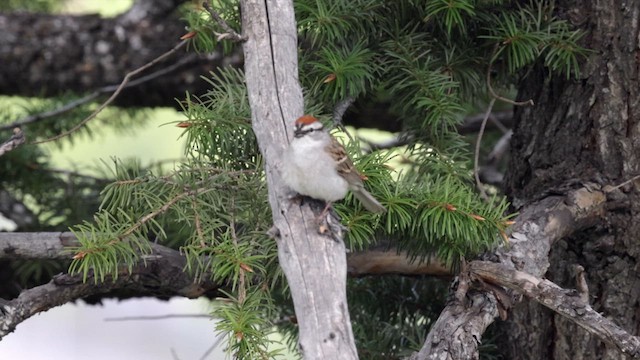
229	33
160	274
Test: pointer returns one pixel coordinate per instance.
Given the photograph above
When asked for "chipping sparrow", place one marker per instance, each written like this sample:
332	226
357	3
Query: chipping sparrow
316	165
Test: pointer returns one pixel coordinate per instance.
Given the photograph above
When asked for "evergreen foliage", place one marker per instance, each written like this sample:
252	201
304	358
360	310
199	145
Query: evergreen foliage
432	61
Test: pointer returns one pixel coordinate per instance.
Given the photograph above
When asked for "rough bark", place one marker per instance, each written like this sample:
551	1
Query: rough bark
584	131
314	264
572	304
459	328
49	55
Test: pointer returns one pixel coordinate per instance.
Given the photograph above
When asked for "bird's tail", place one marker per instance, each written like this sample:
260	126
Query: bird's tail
369	202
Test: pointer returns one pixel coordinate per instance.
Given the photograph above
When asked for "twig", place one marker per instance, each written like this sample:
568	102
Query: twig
242	291
159	211
103	90
476	172
174	355
471	124
197	222
500	147
338	112
158	317
117	92
493	93
498	124
212	347
609	188
14	141
229	34
340	108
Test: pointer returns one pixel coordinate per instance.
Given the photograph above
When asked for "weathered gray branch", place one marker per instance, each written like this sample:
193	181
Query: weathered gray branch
14	141
55	245
568	303
314	264
160	274
458	330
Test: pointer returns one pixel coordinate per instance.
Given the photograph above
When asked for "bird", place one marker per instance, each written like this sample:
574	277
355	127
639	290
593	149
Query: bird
316	165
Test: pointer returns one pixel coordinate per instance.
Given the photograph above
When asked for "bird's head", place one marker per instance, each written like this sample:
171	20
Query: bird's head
306	124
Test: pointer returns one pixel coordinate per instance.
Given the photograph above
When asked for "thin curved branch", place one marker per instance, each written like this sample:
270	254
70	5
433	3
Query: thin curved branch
103	90
476	157
115	94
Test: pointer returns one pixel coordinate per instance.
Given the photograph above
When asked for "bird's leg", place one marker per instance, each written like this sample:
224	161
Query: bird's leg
321	219
325	210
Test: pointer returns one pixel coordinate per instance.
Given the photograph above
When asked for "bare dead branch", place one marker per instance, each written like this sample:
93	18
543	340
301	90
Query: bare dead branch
385	262
314	264
94	95
457	332
54	245
568	303
14	141
229	33
159	317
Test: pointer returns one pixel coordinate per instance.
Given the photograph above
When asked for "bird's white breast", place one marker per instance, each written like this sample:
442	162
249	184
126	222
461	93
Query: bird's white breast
309	170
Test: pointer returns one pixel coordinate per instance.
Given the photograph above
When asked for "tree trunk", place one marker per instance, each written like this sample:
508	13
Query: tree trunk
583	131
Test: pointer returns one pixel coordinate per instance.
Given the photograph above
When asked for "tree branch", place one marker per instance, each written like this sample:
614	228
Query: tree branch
119	89
458	330
94	95
14	141
54	245
568	303
314	264
385	262
229	32
160	273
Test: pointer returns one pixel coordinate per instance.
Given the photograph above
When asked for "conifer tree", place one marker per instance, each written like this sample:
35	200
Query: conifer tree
432	63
